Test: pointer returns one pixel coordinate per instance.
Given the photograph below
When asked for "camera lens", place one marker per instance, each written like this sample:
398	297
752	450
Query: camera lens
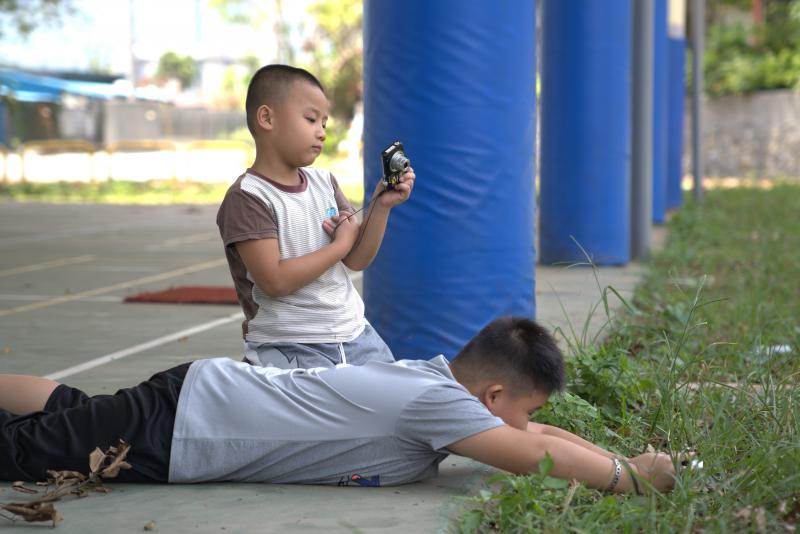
399	162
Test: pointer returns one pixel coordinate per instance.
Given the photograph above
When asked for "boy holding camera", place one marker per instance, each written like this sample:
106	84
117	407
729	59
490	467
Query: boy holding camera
289	233
378	424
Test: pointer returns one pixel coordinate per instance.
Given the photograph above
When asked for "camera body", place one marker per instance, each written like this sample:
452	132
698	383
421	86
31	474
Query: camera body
395	162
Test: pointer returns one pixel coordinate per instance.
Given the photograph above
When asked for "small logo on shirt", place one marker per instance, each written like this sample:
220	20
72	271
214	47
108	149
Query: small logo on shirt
358	480
330	212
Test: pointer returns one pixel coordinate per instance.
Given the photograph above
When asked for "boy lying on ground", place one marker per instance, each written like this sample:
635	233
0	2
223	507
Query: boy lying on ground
374	425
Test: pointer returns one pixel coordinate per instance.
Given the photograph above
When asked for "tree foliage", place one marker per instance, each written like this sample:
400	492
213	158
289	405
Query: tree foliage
24	16
175	66
335	47
743	58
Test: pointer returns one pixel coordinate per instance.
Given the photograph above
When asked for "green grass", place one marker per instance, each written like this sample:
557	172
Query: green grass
689	364
129	192
115	192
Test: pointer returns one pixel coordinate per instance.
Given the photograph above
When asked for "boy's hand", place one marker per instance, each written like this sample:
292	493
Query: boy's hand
401	191
656	467
342	228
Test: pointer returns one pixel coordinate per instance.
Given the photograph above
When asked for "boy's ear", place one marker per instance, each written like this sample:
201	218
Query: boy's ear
265	117
491	394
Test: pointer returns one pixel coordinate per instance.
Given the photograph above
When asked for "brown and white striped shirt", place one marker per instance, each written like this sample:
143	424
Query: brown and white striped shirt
329	309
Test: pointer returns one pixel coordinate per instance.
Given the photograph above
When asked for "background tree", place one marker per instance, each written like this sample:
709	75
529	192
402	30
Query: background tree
752	45
335	47
175	66
23	16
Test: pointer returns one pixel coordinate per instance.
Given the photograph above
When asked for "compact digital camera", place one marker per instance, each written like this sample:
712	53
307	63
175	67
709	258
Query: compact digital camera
394	162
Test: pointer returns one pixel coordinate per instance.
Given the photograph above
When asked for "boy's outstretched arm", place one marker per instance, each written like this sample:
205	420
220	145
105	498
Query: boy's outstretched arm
538	428
374	225
520	452
280	277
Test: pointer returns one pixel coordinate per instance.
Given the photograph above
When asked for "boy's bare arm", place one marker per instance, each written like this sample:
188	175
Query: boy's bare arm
280	277
538	428
368	243
520	452
374	226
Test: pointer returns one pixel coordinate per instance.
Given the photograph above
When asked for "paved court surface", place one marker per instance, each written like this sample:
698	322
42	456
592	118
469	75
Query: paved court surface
64	270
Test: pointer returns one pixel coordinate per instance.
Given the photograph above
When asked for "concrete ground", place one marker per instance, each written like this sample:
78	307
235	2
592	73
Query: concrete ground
64	270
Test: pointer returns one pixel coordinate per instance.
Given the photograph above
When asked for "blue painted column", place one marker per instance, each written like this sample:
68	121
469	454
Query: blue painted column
585	139
455	82
660	101
676	51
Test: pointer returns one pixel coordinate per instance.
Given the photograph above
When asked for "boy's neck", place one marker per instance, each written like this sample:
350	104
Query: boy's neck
277	170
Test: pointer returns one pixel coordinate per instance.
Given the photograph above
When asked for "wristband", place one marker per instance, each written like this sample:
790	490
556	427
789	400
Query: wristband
617	474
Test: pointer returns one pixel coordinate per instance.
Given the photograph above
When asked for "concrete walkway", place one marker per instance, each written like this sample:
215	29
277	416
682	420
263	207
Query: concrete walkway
63	273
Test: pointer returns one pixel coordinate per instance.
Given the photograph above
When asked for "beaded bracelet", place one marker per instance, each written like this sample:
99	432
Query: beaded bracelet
617	474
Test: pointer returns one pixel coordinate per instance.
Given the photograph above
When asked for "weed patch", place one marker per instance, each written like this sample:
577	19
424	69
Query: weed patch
705	356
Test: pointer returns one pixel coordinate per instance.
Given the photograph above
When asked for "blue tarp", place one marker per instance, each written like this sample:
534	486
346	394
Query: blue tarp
28	87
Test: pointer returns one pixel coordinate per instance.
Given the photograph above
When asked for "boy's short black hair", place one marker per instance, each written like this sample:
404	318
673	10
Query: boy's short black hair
513	351
268	86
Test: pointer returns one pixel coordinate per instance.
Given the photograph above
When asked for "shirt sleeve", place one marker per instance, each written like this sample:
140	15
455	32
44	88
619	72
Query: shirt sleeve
341	201
243	217
443	415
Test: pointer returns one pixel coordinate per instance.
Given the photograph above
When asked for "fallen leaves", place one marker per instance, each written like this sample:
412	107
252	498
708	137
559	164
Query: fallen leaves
20	487
102	465
35	512
756	517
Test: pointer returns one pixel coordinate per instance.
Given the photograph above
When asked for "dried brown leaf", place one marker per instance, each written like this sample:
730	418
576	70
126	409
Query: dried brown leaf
34	512
761	520
113	470
96	459
69	482
20	487
80	492
791	515
118	462
60	477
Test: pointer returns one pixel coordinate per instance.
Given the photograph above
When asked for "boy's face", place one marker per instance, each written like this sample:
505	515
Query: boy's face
299	121
515	411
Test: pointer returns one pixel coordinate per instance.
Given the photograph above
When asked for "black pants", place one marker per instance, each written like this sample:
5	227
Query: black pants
62	436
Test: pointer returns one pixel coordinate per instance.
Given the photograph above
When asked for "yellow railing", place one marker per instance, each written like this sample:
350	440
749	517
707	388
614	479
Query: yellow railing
73	159
141	145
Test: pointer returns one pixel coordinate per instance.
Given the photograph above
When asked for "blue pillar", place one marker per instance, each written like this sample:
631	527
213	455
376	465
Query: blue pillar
455	82
585	141
660	94
676	51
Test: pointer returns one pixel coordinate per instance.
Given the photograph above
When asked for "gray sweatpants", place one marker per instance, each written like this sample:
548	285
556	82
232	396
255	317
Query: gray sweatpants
368	346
